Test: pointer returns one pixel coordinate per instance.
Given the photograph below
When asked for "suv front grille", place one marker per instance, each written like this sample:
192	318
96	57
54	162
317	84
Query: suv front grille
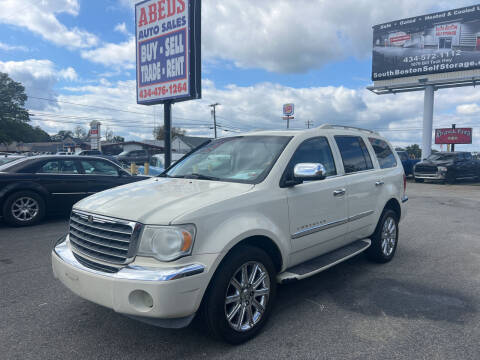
427	169
99	239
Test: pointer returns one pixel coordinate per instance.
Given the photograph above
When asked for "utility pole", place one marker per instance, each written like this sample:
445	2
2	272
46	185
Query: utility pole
309	123
453	145
214	117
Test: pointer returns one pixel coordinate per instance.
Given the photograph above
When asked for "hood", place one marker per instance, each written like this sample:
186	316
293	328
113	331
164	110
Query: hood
160	200
435	163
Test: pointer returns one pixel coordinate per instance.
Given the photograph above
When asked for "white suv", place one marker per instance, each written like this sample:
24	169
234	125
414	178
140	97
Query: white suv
218	230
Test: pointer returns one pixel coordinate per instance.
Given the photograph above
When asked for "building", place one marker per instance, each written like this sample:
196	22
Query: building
183	144
68	144
154	146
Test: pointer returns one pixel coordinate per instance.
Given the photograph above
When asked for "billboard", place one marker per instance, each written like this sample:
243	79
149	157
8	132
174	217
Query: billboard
167	50
442	42
288	109
453	136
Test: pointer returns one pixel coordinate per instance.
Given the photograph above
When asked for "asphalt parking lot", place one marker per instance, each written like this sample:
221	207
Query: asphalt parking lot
425	304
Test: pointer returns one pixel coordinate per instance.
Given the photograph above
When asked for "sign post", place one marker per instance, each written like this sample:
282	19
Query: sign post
168	56
288	110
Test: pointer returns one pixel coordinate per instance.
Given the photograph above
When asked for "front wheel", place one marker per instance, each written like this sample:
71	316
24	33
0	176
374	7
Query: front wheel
240	296
385	238
24	208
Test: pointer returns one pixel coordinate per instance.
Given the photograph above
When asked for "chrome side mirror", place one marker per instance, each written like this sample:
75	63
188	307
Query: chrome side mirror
309	171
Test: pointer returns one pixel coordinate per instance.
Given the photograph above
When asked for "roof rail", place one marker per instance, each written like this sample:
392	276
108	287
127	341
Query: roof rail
328	126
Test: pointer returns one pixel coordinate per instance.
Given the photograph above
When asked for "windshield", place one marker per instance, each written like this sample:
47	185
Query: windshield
436	157
246	159
5	166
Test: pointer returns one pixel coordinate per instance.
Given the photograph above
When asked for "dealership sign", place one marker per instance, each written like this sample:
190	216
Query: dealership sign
453	136
167	50
442	42
288	109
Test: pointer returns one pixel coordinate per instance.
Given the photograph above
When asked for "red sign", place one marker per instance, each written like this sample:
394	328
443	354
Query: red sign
288	109
94	132
446	30
453	136
399	38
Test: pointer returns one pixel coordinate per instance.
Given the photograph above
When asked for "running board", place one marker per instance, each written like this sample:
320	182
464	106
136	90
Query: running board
323	262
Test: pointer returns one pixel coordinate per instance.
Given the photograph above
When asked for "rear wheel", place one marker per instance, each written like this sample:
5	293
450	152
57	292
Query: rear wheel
24	208
385	238
240	297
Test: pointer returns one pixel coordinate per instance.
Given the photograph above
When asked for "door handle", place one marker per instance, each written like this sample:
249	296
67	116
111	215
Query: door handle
339	192
379	183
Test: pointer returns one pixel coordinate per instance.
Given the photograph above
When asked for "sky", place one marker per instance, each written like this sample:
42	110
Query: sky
76	59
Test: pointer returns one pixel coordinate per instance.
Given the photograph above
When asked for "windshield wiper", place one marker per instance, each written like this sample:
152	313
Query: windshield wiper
200	176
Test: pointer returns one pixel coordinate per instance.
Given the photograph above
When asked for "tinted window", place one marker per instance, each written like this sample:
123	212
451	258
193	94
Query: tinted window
354	153
314	150
98	167
403	156
58	167
385	156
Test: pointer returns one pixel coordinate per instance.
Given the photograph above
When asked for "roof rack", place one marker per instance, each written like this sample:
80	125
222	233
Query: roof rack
328	126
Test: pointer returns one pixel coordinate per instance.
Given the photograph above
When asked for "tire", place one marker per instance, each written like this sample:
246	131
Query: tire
24	208
384	241
419	180
215	307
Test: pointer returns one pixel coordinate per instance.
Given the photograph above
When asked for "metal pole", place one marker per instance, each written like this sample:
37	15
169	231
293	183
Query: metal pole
167	125
427	121
288	122
453	145
213	106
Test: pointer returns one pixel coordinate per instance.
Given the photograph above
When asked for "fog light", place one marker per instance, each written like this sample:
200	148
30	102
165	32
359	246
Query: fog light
140	300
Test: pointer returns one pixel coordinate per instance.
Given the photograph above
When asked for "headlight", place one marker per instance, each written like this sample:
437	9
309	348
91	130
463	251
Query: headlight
442	169
167	243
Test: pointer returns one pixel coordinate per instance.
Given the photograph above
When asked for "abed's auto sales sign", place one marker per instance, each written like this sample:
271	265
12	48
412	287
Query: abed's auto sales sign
167	50
453	136
442	42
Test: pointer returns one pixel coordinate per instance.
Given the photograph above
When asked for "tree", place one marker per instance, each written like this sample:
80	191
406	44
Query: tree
13	115
414	150
62	134
158	132
80	132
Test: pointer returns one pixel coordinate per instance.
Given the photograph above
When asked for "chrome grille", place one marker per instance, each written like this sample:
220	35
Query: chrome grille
96	240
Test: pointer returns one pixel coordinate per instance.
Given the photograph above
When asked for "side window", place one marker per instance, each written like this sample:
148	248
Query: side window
354	153
385	156
99	167
58	167
403	156
315	150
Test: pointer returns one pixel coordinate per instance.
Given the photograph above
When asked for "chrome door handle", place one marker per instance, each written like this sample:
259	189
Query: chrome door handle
378	183
339	192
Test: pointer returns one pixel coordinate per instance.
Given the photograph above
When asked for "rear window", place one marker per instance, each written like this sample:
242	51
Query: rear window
385	156
354	153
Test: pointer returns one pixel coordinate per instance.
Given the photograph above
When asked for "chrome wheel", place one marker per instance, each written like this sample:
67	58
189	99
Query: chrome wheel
247	296
389	236
25	208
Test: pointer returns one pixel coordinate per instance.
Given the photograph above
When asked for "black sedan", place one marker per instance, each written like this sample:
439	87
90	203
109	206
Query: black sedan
35	186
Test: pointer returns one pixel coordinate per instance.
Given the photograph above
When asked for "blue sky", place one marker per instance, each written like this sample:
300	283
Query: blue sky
256	56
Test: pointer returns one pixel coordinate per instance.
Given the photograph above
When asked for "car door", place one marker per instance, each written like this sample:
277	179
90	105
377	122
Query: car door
362	183
64	182
317	209
103	174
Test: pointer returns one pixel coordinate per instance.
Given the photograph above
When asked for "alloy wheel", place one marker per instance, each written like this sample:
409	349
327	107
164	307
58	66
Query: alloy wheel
247	296
25	208
389	236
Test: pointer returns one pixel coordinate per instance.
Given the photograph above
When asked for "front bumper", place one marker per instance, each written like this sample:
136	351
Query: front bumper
430	176
163	296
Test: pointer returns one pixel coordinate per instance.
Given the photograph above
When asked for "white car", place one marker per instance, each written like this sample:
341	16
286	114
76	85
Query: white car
230	221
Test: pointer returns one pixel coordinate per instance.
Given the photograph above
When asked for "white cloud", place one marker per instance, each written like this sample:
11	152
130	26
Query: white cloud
39	78
40	18
121	28
7	47
296	36
468	109
257	107
116	55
